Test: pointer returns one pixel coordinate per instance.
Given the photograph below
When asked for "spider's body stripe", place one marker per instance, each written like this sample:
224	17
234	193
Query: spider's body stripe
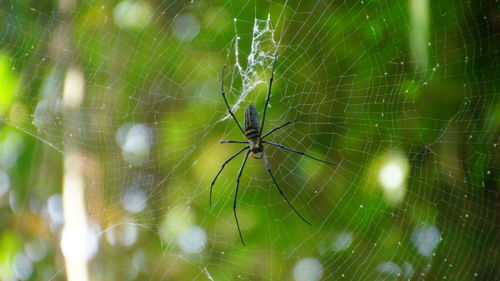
251	123
251	133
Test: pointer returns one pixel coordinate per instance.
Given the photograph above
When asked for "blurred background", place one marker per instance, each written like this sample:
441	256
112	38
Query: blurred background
111	115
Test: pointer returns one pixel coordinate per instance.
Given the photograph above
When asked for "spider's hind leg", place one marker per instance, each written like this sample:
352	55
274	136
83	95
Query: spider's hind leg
236	196
268	168
222	168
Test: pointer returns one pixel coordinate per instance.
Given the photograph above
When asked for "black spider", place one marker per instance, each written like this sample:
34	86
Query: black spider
255	141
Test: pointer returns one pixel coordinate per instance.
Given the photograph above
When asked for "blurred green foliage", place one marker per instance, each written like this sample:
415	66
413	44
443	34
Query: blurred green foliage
405	100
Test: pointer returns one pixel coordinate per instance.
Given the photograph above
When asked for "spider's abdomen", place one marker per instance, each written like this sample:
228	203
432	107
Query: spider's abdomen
251	123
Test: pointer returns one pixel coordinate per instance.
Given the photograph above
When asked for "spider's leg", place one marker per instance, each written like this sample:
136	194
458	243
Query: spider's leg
231	141
283	125
268	95
236	196
227	104
299	152
222	168
268	168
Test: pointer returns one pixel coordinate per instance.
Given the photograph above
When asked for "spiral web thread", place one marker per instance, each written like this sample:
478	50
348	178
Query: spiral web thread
414	195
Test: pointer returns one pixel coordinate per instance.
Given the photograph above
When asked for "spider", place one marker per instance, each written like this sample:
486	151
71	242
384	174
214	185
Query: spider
255	141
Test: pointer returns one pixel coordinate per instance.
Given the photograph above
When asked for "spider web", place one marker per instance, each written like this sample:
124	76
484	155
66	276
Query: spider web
402	96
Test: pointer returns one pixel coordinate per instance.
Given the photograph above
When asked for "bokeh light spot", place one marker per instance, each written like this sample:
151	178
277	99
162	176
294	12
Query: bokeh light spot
389	268
426	239
55	209
23	266
135	141
132	14
4	182
308	269
343	241
186	27
193	240
392	177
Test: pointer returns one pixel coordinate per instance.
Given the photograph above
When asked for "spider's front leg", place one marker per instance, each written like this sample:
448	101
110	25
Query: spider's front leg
227	104
232	141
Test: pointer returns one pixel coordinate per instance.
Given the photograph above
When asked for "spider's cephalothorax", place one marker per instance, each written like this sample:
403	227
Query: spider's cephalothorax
252	131
255	139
